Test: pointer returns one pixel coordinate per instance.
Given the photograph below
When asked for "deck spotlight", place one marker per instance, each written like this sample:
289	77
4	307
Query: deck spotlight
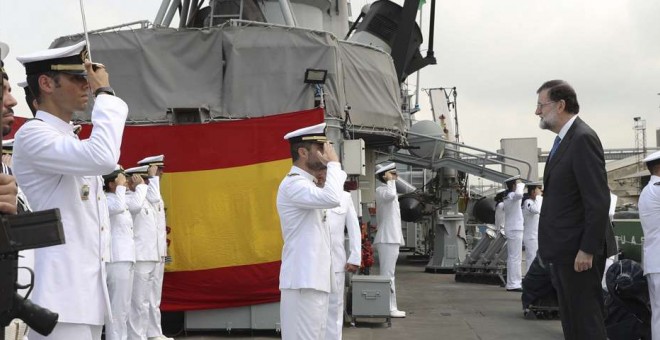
315	76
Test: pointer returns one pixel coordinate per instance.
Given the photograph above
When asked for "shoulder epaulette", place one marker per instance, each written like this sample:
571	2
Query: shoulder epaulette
292	174
656	183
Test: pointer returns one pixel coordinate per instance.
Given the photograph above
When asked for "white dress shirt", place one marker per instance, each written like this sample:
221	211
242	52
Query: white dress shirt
513	218
344	216
56	170
531	211
144	225
306	256
121	222
156	200
388	214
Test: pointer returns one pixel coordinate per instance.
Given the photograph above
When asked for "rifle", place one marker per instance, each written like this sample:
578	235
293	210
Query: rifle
20	232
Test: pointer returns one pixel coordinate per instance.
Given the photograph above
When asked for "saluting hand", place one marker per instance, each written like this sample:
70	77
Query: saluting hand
96	78
329	154
120	180
8	191
152	171
137	180
390	176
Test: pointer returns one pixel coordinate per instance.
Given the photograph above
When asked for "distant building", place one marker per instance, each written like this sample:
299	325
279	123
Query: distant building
626	177
525	149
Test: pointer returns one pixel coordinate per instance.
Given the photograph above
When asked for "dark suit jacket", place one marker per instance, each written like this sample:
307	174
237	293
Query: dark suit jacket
576	198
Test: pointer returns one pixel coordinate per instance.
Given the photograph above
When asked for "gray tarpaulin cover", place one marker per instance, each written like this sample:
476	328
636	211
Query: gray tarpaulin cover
157	69
242	72
266	70
371	86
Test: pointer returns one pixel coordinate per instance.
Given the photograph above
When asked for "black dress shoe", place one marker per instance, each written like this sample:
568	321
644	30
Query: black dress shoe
519	290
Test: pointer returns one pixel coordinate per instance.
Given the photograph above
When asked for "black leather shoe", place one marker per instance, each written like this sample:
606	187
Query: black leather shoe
519	290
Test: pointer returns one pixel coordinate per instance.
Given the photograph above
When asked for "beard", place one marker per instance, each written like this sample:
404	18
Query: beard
315	164
549	121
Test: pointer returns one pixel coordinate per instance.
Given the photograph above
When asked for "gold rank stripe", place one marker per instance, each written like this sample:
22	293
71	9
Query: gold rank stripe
314	138
63	67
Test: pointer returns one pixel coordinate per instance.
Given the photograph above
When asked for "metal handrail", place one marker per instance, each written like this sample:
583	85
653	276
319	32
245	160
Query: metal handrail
484	158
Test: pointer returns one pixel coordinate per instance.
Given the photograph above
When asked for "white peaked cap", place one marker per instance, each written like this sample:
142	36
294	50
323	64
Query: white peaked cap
652	157
314	133
380	168
153	160
138	170
67	59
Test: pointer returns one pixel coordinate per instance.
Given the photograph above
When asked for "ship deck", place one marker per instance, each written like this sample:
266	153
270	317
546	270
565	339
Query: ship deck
437	308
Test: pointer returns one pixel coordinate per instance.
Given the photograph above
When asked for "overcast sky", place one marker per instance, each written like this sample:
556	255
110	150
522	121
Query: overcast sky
497	53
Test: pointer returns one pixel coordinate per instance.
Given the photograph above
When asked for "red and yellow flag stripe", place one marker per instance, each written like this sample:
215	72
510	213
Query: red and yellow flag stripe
219	187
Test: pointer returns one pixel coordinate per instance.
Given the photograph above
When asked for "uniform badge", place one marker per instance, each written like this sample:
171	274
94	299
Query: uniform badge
84	192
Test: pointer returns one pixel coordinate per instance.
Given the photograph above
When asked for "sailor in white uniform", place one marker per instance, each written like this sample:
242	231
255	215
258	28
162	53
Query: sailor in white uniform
389	236
649	214
531	209
57	170
306	275
155	171
146	250
120	269
339	219
513	229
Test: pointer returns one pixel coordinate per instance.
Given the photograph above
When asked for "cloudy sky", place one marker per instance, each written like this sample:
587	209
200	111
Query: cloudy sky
497	53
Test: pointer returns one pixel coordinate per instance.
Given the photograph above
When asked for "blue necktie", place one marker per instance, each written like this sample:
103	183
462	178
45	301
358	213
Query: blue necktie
555	145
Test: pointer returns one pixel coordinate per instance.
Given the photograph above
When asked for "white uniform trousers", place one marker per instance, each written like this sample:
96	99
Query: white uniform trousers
531	247
335	323
139	315
303	314
154	328
120	289
388	253
653	280
69	331
514	259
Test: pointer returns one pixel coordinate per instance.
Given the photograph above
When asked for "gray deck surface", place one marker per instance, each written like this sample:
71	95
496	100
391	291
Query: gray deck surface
437	308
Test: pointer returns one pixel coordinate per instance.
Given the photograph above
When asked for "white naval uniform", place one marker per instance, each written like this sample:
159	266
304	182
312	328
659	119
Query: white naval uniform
120	270
499	216
513	229
649	215
531	210
306	274
146	258
154	328
56	170
338	219
389	236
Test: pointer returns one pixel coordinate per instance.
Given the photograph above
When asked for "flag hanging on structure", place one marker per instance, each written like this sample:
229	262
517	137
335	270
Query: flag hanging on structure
219	186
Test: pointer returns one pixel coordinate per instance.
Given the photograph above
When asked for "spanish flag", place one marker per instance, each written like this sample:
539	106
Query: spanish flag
219	185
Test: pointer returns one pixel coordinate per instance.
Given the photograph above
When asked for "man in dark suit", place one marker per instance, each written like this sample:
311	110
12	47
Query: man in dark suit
574	216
